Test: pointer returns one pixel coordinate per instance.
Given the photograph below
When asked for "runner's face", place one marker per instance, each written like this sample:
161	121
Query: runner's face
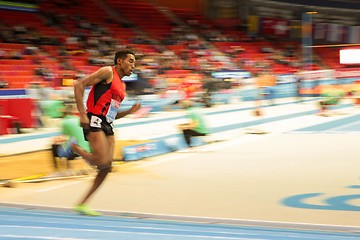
128	65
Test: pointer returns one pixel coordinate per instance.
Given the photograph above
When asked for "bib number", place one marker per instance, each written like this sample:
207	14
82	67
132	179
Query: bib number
95	122
112	111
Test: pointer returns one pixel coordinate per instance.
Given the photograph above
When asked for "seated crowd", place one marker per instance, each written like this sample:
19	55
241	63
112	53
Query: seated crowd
59	44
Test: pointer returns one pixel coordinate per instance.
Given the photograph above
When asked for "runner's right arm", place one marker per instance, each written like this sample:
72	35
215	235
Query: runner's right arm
103	74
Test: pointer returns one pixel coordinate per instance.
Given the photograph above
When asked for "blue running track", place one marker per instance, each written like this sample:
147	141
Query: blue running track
19	223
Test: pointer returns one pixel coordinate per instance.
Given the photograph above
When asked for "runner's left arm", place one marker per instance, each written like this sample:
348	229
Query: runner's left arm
134	108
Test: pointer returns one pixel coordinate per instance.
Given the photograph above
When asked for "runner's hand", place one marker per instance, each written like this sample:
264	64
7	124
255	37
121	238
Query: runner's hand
84	121
135	107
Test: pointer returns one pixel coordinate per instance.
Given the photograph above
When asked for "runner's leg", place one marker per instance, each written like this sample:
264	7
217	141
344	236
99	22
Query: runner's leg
100	158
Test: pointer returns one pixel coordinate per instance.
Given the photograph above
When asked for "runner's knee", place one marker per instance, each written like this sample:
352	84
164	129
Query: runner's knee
104	168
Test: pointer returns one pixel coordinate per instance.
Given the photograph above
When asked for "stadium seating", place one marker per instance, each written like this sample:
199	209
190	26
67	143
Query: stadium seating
157	25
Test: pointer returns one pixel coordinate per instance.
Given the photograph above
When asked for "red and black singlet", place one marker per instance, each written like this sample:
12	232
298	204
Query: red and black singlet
105	99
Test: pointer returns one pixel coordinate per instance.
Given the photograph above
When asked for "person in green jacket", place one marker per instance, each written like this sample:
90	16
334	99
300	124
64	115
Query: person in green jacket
331	96
70	131
196	125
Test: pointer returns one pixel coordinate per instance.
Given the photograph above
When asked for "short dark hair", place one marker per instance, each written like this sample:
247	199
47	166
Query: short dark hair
122	54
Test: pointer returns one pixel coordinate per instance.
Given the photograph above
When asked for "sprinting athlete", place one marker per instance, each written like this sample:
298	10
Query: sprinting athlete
103	107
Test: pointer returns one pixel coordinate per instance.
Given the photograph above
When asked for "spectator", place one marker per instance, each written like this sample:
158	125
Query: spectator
3	84
70	127
196	125
331	96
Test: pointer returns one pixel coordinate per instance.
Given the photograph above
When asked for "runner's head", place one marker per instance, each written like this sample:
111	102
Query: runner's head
125	62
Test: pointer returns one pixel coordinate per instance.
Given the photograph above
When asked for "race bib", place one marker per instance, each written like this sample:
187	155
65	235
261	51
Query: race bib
95	122
112	111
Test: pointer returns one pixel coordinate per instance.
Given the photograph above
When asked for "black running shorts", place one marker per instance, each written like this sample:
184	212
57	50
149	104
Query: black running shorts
98	123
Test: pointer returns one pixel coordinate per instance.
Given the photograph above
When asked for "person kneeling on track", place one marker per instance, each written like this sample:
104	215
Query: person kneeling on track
195	126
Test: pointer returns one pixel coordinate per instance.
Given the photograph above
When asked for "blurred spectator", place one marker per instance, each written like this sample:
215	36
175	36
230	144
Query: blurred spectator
66	64
39	71
70	127
331	96
298	80
15	54
196	125
30	50
34	90
3	54
4	83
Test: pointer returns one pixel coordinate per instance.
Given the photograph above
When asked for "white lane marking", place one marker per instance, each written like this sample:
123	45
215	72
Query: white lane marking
60	186
128	232
38	237
211	229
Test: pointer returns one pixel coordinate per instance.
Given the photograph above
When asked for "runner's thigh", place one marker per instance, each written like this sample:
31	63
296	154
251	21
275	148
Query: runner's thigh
99	146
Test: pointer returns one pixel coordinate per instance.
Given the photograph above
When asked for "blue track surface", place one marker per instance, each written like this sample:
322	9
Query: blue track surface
343	125
17	223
